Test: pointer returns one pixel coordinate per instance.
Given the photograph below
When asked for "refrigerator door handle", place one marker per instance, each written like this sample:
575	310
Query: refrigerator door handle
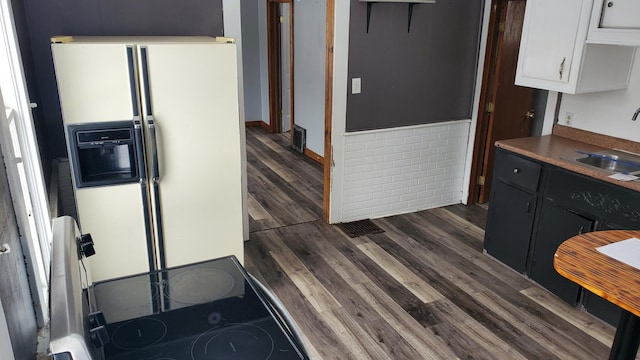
155	168
139	144
155	182
132	82
155	171
145	80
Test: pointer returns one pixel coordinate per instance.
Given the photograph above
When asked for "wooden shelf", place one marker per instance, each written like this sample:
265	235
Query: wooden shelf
411	3
402	1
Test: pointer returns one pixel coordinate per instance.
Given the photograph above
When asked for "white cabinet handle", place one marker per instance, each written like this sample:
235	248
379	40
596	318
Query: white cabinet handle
564	59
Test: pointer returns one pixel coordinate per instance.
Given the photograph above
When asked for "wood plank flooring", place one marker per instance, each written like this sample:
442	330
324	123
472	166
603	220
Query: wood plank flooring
423	289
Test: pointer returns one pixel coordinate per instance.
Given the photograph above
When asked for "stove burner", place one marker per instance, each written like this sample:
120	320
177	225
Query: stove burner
140	298
197	286
234	341
138	333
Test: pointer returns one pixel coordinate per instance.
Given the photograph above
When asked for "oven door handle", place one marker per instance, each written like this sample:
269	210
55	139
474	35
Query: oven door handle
281	312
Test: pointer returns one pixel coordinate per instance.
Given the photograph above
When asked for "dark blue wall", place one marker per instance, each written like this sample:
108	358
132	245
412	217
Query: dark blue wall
423	76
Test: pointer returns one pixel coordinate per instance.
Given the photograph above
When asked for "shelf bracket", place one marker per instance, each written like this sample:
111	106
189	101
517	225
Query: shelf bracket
411	4
368	15
410	16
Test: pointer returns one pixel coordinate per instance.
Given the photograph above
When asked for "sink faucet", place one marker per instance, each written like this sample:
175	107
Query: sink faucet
635	114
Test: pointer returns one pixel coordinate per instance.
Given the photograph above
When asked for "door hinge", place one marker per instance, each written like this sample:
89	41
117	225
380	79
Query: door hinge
501	26
481	180
490	107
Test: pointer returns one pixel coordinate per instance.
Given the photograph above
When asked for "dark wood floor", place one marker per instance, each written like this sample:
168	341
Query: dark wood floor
422	289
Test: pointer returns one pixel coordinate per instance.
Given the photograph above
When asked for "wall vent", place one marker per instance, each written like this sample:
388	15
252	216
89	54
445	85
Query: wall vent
299	138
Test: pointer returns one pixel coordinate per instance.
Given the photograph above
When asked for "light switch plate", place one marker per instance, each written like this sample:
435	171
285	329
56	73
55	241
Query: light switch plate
356	85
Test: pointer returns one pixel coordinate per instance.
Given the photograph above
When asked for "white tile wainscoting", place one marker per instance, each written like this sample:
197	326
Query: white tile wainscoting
400	170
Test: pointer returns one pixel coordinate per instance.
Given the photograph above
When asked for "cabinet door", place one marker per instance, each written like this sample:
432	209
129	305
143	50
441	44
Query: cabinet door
549	38
620	14
555	226
554	54
615	22
509	225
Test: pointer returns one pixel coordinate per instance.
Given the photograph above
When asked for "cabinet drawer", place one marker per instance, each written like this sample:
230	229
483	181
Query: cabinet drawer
517	171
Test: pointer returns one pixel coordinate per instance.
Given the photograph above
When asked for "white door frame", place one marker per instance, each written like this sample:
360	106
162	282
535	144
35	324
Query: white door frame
24	167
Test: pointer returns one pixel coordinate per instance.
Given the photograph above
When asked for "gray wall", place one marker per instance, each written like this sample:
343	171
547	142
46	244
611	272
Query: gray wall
424	76
44	19
14	286
309	53
539	108
251	60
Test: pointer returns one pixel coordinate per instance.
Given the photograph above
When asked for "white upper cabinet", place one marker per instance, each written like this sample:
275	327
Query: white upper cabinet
554	54
615	22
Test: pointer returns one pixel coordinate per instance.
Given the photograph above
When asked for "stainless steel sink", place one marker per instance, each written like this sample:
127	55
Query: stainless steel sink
612	161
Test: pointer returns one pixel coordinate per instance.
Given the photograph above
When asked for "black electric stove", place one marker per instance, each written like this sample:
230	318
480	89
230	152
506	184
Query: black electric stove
208	310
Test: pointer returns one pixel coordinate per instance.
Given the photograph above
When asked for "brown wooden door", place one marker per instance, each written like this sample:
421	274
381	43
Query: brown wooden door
275	62
506	113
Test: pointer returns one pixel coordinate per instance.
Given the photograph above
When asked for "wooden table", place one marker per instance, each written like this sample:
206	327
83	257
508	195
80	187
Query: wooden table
578	260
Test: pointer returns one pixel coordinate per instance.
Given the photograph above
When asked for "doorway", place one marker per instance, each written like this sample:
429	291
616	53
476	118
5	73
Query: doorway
505	109
280	63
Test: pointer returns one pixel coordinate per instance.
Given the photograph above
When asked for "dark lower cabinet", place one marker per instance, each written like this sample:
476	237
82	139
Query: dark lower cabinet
509	225
554	227
594	304
601	308
535	206
514	195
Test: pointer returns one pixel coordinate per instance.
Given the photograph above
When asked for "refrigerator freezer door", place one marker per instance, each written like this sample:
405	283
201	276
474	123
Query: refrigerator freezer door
194	96
93	82
96	84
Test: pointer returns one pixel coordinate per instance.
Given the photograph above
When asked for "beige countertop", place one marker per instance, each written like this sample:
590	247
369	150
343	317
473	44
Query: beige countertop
559	148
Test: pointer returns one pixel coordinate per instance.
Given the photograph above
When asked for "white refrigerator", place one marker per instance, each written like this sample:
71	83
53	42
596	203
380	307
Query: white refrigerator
159	116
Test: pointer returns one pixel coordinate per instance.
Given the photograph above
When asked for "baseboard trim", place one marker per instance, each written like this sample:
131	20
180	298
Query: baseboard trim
256	123
310	154
313	156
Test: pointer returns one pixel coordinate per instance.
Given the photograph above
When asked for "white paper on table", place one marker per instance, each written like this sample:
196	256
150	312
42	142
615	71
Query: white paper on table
627	251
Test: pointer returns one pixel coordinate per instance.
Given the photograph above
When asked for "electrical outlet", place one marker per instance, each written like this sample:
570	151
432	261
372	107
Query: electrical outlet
568	118
356	86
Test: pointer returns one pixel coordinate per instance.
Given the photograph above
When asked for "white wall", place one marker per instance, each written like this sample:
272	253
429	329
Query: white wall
606	112
309	54
264	64
402	170
251	59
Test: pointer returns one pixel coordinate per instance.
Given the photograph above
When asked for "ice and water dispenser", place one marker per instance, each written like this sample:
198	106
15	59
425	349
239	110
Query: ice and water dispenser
103	153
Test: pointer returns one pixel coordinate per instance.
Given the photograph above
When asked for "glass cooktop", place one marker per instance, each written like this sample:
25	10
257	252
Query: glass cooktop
208	310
